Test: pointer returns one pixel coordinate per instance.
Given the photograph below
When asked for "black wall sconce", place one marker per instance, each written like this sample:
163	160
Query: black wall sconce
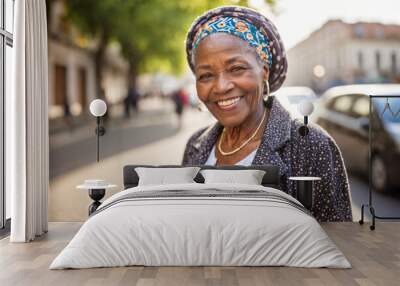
98	108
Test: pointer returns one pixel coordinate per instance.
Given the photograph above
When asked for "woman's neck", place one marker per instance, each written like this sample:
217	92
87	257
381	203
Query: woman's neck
234	136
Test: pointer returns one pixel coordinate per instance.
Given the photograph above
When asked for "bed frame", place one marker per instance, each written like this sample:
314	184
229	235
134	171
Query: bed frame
270	179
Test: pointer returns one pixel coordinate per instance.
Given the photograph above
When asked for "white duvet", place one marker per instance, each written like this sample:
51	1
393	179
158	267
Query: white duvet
183	231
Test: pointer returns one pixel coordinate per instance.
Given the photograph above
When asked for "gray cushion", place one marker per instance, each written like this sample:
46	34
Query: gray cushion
249	177
162	176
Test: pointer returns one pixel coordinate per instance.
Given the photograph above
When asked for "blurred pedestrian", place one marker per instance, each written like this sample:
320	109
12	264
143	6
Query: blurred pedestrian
180	99
131	100
67	111
68	115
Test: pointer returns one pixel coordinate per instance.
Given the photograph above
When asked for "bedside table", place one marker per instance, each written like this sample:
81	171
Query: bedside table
96	190
304	192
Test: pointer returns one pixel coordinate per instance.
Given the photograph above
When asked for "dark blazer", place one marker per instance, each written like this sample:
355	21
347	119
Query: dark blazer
284	147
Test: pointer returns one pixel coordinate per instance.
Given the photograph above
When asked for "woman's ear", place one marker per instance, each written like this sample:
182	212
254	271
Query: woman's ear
265	72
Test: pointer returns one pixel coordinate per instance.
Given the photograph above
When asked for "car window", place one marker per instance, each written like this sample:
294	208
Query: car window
391	114
342	104
361	106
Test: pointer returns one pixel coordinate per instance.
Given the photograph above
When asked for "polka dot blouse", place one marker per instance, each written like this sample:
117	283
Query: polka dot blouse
282	146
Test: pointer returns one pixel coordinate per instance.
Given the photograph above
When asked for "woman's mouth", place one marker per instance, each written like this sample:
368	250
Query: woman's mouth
228	104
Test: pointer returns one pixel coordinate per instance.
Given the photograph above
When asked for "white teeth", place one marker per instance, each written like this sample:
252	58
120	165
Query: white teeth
228	102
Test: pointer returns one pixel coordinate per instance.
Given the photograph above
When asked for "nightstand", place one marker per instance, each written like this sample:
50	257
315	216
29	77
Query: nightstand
96	190
304	192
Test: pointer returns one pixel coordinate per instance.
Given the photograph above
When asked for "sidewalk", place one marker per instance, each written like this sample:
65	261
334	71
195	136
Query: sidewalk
152	111
73	149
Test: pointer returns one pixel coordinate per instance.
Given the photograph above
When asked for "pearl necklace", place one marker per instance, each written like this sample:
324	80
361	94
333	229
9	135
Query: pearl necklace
244	143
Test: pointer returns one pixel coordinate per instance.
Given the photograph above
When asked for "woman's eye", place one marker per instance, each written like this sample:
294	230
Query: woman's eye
237	69
205	77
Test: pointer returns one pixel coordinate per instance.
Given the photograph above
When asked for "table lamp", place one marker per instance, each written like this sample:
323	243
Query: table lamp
98	108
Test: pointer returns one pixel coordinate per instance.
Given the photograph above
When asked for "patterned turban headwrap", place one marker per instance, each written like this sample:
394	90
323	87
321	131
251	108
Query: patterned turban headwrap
249	25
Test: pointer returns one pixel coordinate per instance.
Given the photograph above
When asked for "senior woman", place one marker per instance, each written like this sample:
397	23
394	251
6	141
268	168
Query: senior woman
238	59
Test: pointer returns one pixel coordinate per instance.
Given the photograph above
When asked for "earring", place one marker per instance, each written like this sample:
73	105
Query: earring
266	91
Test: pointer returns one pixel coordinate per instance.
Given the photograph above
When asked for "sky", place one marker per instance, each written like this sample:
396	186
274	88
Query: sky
296	19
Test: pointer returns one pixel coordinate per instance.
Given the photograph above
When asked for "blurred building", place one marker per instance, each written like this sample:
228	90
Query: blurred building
72	76
343	53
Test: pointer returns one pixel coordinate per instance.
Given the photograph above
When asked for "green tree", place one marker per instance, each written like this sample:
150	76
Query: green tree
150	32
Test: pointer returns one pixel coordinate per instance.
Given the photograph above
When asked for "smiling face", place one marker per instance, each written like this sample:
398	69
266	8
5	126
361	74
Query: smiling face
229	79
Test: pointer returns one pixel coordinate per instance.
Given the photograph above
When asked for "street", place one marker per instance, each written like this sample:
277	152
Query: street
154	139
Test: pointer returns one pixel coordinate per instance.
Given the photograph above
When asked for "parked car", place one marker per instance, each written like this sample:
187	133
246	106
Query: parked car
344	112
291	96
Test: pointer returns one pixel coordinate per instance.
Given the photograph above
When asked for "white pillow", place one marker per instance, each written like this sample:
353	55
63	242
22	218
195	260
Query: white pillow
162	176
249	177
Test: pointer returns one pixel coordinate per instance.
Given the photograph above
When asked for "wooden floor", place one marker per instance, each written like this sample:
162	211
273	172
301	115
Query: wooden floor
374	255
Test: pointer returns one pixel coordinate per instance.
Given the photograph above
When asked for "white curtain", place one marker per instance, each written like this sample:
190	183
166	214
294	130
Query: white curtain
27	124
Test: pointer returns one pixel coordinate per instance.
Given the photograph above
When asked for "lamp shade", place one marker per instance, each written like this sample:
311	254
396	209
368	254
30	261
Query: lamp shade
305	107
98	107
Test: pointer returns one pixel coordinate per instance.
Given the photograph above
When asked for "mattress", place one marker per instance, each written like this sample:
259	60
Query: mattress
201	225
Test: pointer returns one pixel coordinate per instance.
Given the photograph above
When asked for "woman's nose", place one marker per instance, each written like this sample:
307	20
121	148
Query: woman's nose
223	84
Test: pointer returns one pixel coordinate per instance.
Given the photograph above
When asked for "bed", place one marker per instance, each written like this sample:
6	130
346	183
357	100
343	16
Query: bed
201	223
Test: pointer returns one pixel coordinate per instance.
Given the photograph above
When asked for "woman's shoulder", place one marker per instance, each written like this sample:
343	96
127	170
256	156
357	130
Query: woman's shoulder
193	145
196	135
318	144
317	135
